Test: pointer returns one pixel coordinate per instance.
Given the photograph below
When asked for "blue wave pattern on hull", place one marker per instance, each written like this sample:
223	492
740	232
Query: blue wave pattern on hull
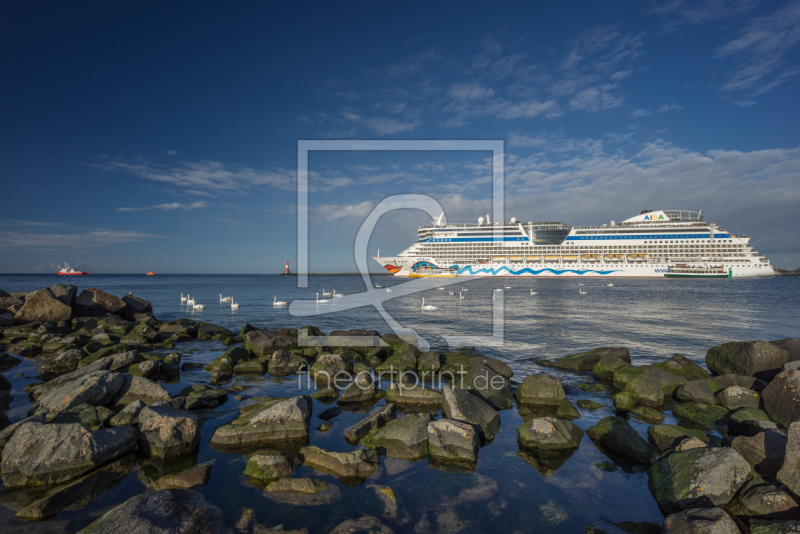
494	272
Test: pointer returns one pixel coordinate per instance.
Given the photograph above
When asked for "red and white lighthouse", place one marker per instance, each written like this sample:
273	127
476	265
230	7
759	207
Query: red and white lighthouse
287	268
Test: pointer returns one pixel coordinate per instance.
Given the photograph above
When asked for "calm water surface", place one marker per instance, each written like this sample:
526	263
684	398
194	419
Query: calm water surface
652	318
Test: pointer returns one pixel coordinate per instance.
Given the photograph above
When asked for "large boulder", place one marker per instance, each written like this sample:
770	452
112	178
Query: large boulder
413	395
179	326
736	397
208	331
608	364
356	465
141	334
682	366
760	499
167	433
749	422
764	452
94	302
139	388
362	389
696	391
700	414
585	361
405	438
615	434
700	521
284	363
329	367
790	345
460	405
62	292
165	511
665	437
135	305
40	306
549	433
697	478
759	359
452	440
789	474
652	385
96	389
540	390
266	342
782	398
42	454
268	467
377	420
274	421
62	363
487	378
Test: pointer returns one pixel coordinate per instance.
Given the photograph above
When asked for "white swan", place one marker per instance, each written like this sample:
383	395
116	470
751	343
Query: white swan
610	285
493	294
324	294
225	299
388	290
464	288
335	294
428	307
199	306
275	301
508	287
460	296
189	300
534	292
451	293
497	289
234	305
323	300
184	299
582	292
377	285
440	288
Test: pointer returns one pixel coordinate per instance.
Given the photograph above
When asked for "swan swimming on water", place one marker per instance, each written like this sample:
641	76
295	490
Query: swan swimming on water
464	289
452	293
508	287
428	307
323	300
199	306
324	294
189	300
275	301
440	288
184	299
377	285
335	294
225	299
234	305
460	296
534	292
582	292
610	285
388	290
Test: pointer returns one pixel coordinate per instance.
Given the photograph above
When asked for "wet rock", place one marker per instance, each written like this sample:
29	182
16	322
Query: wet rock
141	334
429	363
566	410
589	405
208	331
735	397
285	363
358	464
42	454
665	437
648	415
143	369
696	391
549	433
782	398
764	451
789	474
327	367
63	363
585	361
171	365
652	385
267	467
682	366
92	417
700	414
128	415
326	395
487	378
414	395
604	369
697	478
460	405
623	375
96	389
700	521
759	499
92	301
176	510
135	306
785	526
180	326
79	493
749	422
758	359
363	389
452	440
405	438
391	508
273	421
592	388
377	420
302	491
194	477
616	434
364	525
397	364
623	402
266	342
540	390
167	433
40	306
691	443
138	388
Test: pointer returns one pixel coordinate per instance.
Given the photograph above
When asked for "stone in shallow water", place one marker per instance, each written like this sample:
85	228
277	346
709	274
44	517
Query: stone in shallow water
604	369
273	421
164	511
648	415
266	466
139	388
96	389
589	405
623	402
698	414
696	391
460	405
418	395
585	361
665	437
40	454
549	433
546	462
452	440
541	389
616	434
405	438
758	359
682	366
345	465
700	521
302	491
363	389
697	478
364	525
650	387
377	420
168	432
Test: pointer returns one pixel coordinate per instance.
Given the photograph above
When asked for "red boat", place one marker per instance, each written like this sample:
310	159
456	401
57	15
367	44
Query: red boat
151	273
66	270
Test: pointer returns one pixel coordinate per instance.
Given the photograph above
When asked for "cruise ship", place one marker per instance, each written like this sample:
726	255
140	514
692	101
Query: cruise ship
644	246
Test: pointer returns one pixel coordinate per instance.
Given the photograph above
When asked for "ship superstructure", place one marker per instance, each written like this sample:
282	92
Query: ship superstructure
643	246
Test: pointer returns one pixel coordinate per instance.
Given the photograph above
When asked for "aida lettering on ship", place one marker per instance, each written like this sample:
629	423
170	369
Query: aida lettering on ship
646	245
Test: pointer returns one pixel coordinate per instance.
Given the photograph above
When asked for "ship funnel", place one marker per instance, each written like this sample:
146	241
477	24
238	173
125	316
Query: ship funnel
480	220
488	220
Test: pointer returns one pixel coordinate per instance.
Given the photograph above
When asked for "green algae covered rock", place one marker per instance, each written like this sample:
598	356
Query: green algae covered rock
267	467
585	361
666	437
648	415
682	366
273	421
357	464
700	414
540	390
549	433
405	438
616	434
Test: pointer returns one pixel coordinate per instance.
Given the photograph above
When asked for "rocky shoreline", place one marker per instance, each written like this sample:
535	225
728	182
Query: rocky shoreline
100	410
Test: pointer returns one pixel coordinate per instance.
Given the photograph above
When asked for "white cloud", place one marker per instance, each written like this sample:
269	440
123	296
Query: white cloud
333	212
666	108
744	103
92	238
518	140
170	207
525	110
595	99
621	75
171	152
469	91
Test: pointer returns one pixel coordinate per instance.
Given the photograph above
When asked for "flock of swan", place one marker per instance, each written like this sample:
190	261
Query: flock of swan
189	301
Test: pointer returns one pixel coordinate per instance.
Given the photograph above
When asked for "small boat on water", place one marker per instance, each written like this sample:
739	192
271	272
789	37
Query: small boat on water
66	270
151	273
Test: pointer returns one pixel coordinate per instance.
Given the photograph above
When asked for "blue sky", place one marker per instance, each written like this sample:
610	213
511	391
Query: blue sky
143	135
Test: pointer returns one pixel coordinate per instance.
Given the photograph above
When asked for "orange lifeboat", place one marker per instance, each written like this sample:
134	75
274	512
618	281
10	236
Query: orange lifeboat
151	273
